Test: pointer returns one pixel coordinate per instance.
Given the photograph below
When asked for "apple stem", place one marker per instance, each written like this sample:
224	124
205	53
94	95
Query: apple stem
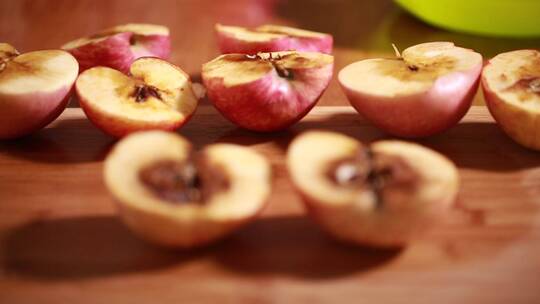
396	51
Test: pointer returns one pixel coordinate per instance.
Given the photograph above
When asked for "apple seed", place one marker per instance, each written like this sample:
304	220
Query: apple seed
143	92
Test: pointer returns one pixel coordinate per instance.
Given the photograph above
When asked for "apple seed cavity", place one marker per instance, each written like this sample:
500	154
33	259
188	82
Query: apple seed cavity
184	182
376	172
142	92
5	57
273	59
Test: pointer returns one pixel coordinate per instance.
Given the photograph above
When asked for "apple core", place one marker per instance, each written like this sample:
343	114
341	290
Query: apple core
181	182
376	172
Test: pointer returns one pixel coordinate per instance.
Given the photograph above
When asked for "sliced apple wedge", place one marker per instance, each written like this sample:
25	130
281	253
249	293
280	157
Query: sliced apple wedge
271	38
511	84
119	46
384	195
35	88
173	196
268	91
157	95
425	90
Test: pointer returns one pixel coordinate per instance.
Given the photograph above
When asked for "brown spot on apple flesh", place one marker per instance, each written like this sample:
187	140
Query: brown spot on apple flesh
528	85
5	57
426	71
184	182
380	173
142	92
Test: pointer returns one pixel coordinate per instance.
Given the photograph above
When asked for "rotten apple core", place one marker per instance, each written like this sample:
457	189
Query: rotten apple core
142	92
376	172
181	182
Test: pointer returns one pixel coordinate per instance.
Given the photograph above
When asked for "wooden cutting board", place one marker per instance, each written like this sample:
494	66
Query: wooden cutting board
61	242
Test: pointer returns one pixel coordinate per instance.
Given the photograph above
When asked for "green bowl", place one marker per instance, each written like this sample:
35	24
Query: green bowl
510	18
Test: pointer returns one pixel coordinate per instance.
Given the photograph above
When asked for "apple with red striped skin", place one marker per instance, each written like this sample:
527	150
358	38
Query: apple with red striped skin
386	194
271	38
511	84
119	46
267	91
35	88
156	95
424	91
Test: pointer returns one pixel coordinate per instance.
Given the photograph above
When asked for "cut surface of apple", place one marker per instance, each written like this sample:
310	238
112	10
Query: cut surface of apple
384	194
511	84
35	88
171	195
271	38
425	90
119	46
156	95
268	91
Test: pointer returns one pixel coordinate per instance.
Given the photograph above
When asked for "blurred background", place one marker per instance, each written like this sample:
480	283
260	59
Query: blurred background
361	28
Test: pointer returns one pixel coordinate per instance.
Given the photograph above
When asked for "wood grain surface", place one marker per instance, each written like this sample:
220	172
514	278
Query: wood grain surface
61	241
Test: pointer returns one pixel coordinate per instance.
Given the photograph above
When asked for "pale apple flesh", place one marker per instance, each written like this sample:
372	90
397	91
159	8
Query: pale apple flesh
268	91
185	219
156	95
35	88
119	46
384	195
271	38
511	84
425	91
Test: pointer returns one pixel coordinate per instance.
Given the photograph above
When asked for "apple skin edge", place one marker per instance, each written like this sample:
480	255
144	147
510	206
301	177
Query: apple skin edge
423	114
25	114
518	124
229	44
117	127
116	51
269	103
166	231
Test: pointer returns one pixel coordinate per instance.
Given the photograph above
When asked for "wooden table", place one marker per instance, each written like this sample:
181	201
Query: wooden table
61	242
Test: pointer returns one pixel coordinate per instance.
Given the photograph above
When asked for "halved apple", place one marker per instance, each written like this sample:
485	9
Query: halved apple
119	46
425	90
35	88
511	83
268	91
271	38
157	95
173	196
384	194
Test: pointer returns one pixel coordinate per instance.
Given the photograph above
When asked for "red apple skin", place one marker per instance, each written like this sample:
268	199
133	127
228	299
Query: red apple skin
229	44
115	51
266	105
22	115
423	114
119	128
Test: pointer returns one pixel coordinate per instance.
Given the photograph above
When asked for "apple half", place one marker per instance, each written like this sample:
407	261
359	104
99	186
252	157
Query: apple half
424	91
271	38
171	195
119	46
511	84
267	91
384	194
35	88
156	95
